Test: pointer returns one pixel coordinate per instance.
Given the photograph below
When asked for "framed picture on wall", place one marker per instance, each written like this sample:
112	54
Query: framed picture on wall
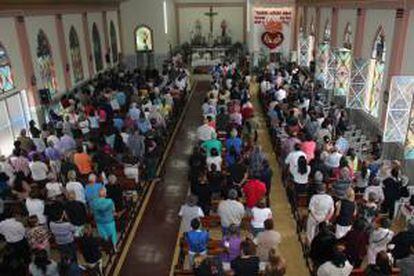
143	39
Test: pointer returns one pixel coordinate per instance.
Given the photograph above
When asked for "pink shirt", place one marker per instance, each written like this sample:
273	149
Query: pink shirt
308	147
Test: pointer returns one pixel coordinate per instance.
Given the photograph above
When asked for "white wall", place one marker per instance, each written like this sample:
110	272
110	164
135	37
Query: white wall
113	16
96	17
48	25
374	19
345	16
75	20
325	14
407	63
150	13
8	37
234	17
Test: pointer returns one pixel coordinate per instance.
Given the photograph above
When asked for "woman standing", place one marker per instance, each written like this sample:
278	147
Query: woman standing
300	174
345	212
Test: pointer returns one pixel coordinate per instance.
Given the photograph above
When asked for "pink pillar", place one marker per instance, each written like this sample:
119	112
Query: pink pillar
305	19
106	38
317	25
334	28
29	73
398	43
63	51
120	31
359	33
88	45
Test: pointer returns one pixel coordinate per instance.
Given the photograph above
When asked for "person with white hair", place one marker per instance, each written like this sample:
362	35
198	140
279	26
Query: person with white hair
190	211
321	208
103	210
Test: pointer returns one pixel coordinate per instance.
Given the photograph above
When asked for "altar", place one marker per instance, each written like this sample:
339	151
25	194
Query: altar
208	56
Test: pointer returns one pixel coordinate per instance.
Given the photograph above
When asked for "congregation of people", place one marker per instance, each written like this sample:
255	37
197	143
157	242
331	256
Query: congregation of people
352	198
63	194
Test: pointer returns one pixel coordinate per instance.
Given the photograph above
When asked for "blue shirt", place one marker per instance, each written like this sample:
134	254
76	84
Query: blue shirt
118	123
103	210
121	98
92	192
197	240
235	142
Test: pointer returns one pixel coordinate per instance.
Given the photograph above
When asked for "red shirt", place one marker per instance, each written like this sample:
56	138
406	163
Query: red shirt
254	191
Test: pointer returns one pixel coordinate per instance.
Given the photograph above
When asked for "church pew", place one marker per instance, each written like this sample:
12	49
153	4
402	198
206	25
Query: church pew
361	272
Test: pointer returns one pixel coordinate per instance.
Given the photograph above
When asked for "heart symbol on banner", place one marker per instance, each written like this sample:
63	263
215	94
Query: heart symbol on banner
272	40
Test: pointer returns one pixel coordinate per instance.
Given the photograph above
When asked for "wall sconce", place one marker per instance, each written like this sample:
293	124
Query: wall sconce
67	67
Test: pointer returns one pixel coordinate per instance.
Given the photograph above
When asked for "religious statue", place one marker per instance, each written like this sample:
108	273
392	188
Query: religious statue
198	38
327	32
347	37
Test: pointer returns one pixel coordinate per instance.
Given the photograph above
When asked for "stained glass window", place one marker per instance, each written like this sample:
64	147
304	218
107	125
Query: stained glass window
398	109
6	78
343	71
75	54
45	64
357	90
323	56
114	42
376	75
97	50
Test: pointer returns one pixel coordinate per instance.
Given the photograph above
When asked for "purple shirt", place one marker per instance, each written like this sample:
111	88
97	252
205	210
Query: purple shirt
233	248
66	143
52	154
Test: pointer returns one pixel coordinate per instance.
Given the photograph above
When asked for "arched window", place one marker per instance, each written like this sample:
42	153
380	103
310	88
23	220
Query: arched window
75	55
376	74
46	64
114	42
347	37
143	39
6	78
97	50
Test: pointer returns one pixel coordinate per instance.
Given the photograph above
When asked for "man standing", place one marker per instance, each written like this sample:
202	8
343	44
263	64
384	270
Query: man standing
230	211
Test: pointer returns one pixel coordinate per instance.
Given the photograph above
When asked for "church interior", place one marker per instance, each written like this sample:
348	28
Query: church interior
207	137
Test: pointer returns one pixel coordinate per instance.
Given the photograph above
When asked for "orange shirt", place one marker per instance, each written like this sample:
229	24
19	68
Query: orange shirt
83	162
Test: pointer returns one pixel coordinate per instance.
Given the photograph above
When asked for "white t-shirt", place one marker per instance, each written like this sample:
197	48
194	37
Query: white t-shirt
377	190
320	206
329	269
300	178
214	160
84	126
188	213
78	189
36	207
333	160
54	189
280	94
39	170
292	158
259	216
205	132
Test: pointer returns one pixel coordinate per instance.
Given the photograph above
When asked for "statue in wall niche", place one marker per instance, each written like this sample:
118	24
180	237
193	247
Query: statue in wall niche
197	38
347	37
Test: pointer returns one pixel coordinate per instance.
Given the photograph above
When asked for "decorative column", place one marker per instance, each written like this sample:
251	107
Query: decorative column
359	33
305	19
317	24
397	54
88	46
63	51
398	44
296	25
106	39
334	28
121	31
33	97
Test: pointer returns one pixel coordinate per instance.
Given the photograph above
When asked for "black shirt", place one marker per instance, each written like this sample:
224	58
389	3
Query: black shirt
246	266
76	212
89	247
114	192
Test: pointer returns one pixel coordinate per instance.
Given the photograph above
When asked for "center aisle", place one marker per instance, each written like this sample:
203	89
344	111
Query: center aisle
290	247
152	248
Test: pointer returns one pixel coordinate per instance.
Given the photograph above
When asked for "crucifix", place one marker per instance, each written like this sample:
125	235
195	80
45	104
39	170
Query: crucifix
211	15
